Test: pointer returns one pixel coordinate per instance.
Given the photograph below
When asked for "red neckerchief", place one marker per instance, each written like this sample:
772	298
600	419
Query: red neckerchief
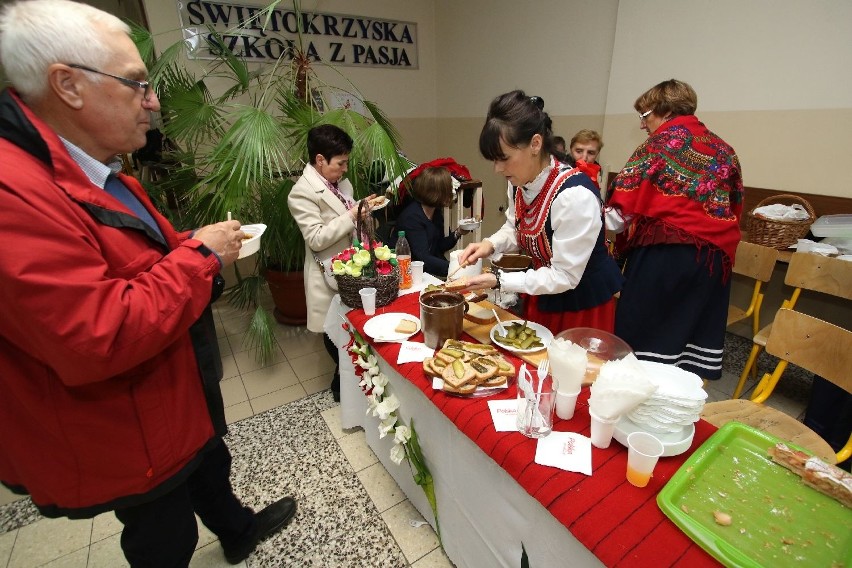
530	219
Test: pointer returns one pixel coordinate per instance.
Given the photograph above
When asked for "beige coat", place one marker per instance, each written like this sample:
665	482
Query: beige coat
327	228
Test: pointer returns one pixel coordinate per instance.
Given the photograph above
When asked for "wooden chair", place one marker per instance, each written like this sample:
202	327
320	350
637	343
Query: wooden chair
756	262
813	344
806	271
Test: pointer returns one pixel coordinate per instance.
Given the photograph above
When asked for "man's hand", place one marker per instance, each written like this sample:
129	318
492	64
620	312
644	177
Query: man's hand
225	239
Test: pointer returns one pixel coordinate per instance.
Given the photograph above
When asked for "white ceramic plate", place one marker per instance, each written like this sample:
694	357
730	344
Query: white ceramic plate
381	327
469	224
252	245
674	443
543	333
674	382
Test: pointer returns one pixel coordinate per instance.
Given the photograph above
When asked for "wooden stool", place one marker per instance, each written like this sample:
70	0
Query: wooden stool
768	420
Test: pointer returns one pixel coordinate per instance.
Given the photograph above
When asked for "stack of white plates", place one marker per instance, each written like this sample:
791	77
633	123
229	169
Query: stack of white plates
676	404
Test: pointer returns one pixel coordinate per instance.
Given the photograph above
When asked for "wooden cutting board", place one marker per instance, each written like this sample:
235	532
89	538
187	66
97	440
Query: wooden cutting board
482	333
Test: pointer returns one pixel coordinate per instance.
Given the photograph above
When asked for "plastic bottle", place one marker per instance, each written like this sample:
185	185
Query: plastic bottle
403	259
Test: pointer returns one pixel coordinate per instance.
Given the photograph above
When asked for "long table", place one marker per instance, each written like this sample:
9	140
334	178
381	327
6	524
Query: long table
493	498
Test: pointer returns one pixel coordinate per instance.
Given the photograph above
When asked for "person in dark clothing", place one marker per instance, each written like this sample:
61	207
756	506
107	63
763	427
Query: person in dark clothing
422	219
829	414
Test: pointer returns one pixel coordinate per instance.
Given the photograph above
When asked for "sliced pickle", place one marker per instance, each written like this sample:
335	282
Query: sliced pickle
458	368
454	353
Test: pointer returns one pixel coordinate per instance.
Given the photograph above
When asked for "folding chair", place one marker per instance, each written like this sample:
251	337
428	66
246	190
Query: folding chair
807	271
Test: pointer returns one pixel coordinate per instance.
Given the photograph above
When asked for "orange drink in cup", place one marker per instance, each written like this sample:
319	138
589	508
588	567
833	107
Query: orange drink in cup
643	451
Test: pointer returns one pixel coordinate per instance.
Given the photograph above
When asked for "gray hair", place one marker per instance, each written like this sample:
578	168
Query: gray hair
35	34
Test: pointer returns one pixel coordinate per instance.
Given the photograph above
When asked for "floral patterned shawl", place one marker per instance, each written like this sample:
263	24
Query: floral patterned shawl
682	180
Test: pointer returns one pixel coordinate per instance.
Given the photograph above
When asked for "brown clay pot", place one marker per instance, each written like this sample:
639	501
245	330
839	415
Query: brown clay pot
288	294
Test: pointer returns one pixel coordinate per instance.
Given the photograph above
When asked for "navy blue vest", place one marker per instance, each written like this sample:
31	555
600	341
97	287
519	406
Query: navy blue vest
602	277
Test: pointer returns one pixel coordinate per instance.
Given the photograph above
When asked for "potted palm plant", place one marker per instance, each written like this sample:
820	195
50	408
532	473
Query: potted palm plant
237	137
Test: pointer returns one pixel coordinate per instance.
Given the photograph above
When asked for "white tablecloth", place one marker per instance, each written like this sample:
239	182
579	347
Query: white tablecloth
485	516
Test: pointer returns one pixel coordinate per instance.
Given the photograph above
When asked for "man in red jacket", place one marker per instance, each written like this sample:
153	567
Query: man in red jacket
110	365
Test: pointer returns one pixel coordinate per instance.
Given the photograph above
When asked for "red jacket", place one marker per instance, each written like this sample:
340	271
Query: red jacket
101	400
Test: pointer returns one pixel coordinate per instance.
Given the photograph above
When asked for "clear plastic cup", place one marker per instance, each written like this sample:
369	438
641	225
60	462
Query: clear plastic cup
416	272
602	430
565	404
643	452
368	300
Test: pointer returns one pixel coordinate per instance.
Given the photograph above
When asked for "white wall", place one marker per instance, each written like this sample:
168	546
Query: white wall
773	77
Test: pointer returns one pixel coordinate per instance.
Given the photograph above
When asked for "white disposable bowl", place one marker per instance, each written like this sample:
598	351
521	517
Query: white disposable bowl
252	245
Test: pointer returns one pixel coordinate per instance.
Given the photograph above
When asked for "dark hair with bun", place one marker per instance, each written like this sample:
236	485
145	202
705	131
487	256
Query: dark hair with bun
514	118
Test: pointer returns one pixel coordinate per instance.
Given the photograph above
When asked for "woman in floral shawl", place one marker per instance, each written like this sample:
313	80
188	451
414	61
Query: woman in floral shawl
679	199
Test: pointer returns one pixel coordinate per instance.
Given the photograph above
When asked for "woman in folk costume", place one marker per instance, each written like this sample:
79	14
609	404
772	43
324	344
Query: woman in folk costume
554	216
679	198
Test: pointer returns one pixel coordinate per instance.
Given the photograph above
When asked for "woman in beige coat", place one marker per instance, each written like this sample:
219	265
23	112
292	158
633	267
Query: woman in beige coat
321	202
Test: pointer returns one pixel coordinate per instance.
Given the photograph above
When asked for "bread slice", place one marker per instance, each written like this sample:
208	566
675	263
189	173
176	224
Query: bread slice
504	367
458	374
469	388
481	371
430	369
405	326
495	381
456	285
479	315
473	349
449	354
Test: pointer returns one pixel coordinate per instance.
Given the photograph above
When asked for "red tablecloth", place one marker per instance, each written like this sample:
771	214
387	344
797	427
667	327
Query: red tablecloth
619	523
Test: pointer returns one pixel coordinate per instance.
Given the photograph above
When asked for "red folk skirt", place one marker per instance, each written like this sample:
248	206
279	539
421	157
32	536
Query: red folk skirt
600	317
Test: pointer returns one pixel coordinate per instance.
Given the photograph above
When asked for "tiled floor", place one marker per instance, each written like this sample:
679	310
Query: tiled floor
286	439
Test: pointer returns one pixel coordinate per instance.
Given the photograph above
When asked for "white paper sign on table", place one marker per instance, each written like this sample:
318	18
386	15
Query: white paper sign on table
413	352
504	414
566	450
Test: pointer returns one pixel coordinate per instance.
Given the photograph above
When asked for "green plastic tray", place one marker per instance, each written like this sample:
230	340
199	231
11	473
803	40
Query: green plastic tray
776	519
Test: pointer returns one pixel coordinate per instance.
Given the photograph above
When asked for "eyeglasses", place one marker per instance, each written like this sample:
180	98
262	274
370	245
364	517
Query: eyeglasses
147	90
644	115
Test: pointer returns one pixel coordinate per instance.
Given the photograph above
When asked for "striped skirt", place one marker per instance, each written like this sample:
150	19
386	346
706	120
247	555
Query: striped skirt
674	307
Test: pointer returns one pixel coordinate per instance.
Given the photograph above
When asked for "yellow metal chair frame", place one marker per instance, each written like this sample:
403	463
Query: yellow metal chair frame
756	262
807	271
813	344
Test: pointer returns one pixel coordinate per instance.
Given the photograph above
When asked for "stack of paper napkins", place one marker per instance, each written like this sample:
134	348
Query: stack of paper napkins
676	403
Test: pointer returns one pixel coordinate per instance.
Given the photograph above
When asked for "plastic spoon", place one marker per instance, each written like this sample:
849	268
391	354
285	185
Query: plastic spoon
500	323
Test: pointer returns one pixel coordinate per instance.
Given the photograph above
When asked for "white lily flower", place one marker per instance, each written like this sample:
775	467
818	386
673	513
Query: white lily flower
372	403
388	405
402	434
381	380
386	426
397	453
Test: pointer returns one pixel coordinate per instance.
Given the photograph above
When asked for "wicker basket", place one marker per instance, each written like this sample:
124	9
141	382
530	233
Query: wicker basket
387	288
776	233
386	285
